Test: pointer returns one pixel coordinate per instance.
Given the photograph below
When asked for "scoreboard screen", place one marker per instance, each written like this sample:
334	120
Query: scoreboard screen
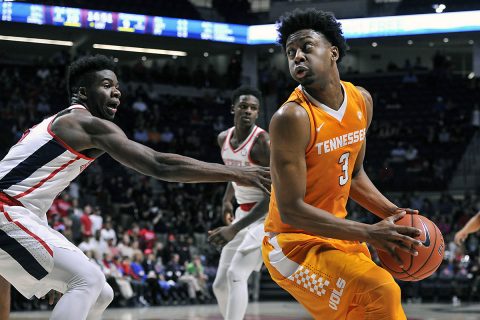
100	20
122	22
464	21
65	17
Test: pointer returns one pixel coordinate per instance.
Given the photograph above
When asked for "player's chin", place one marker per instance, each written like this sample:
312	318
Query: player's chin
306	81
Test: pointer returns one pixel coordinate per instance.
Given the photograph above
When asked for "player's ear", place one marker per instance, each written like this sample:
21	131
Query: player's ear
335	53
82	93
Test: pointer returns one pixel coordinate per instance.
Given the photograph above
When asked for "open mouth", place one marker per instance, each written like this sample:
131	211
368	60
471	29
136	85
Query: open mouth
301	71
112	107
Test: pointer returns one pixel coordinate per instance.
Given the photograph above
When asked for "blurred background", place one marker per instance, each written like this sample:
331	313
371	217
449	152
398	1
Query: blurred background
178	62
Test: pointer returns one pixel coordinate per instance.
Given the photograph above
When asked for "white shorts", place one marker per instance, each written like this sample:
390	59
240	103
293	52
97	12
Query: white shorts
248	239
27	246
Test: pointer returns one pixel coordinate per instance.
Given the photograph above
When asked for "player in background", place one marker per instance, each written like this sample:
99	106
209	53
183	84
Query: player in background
243	145
472	226
4	299
317	152
34	258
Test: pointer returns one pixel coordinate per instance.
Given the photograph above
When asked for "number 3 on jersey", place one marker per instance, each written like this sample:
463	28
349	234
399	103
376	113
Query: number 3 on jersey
343	179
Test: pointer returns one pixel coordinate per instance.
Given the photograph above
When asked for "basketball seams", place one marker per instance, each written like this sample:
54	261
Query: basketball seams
410	256
420	273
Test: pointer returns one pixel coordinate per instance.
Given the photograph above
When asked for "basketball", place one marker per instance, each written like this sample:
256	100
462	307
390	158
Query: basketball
430	254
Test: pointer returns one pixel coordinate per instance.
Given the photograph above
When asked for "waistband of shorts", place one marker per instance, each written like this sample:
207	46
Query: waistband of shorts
5	199
247	206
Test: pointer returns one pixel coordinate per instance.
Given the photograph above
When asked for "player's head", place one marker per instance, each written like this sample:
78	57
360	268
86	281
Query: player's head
245	106
93	83
313	42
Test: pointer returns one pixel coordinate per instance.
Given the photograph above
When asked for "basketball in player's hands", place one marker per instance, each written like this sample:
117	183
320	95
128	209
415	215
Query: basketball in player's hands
430	253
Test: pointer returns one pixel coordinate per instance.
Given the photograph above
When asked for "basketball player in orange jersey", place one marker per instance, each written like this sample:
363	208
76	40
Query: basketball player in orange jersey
473	225
317	150
243	145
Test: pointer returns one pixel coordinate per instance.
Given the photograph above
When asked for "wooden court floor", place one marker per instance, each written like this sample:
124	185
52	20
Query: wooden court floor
264	311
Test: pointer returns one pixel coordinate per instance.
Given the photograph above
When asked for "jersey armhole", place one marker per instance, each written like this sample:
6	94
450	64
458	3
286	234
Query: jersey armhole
257	134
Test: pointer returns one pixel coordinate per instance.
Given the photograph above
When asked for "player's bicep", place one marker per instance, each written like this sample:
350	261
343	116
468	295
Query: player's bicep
289	136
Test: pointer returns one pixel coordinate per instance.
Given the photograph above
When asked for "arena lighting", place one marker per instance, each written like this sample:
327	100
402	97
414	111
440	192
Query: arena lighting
439	7
37	40
464	21
138	49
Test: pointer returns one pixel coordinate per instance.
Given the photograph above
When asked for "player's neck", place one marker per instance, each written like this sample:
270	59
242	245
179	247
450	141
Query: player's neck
331	94
242	133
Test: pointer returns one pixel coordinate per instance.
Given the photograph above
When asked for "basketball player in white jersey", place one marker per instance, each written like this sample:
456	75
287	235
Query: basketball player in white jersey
34	258
243	145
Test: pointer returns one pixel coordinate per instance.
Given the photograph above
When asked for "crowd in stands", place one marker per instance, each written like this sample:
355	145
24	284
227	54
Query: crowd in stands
149	237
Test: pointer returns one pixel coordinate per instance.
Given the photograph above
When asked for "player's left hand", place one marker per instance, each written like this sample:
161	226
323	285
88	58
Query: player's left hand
53	296
407	210
221	235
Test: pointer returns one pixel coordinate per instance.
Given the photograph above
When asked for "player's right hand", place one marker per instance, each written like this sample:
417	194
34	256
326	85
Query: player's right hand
255	177
387	236
460	237
227	209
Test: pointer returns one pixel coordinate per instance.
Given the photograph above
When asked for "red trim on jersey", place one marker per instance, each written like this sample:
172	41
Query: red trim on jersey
244	142
9	200
21	226
50	176
63	143
247	206
261	131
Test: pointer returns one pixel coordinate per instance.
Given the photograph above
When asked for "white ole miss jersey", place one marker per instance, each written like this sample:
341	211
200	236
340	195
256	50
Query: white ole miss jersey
39	167
241	157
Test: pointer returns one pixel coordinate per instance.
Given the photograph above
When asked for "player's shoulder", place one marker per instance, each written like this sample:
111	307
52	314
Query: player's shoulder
222	136
366	95
290	112
262	137
82	119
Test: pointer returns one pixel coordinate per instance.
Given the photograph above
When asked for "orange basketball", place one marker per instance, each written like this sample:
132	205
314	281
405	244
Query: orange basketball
430	254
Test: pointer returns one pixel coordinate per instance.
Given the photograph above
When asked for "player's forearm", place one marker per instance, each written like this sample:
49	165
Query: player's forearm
473	225
322	223
258	211
177	168
364	192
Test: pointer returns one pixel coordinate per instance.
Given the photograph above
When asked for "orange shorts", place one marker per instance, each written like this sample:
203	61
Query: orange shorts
332	279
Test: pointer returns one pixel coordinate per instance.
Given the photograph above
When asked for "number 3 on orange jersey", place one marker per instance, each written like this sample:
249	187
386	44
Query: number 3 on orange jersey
343	179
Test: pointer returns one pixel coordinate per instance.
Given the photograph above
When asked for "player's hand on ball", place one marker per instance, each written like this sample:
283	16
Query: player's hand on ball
460	238
221	235
387	236
407	210
255	177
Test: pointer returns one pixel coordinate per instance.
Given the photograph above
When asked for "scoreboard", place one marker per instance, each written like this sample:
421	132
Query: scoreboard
122	22
466	21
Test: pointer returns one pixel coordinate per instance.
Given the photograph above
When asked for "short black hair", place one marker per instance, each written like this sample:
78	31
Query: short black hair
81	68
246	90
317	20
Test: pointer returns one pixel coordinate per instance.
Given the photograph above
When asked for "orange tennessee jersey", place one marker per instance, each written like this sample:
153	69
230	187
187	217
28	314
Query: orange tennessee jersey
336	138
